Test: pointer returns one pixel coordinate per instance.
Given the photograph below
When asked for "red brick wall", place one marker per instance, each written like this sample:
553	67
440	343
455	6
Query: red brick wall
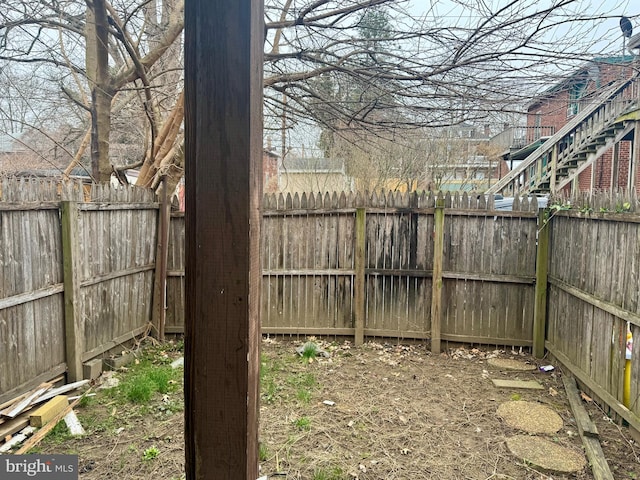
624	163
603	166
269	172
552	111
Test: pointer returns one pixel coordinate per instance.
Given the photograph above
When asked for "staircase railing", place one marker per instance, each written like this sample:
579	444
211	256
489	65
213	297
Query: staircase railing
519	137
596	116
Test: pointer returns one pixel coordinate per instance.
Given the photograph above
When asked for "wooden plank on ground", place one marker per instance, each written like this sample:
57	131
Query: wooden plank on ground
33	441
583	421
48	411
605	396
73	424
588	431
526	384
12	426
14	410
597	460
8	403
60	390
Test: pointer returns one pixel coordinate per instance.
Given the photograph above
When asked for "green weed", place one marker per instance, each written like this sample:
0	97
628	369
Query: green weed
269	388
263	452
334	473
139	389
309	351
162	378
304	396
145	379
59	434
303	423
151	453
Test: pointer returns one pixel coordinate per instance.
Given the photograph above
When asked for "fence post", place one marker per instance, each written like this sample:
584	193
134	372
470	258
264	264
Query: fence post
359	296
542	265
159	312
436	279
73	321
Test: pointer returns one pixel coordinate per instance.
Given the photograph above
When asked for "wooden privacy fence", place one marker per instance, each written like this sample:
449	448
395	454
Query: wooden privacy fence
76	276
364	266
403	266
594	298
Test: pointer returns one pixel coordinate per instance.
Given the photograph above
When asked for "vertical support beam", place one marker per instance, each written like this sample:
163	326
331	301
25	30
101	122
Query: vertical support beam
359	296
223	138
436	288
553	169
73	323
540	305
615	167
634	160
159	312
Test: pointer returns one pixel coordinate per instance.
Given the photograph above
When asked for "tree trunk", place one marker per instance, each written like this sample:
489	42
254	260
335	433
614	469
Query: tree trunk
97	60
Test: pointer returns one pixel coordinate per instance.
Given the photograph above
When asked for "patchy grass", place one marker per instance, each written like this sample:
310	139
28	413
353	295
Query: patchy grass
130	427
149	377
303	423
151	453
331	473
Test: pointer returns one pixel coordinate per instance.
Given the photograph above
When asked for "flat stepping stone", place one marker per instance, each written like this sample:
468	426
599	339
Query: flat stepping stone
546	455
531	417
527	384
511	364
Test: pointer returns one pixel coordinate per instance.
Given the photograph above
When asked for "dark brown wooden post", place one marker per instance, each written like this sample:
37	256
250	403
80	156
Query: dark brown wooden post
223	139
436	281
540	306
359	297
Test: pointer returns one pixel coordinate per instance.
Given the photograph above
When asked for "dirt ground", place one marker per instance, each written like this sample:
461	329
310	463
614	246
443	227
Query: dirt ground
381	411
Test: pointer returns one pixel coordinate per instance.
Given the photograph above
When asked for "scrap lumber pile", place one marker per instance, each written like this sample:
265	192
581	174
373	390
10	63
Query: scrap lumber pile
26	419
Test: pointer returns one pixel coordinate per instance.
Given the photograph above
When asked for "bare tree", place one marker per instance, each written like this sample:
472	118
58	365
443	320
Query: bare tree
352	68
336	65
104	58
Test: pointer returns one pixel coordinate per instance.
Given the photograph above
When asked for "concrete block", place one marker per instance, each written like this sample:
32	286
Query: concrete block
115	363
92	369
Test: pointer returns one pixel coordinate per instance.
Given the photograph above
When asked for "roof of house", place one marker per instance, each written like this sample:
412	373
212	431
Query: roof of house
580	74
634	42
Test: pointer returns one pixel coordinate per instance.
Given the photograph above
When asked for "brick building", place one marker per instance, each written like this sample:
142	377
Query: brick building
580	134
565	100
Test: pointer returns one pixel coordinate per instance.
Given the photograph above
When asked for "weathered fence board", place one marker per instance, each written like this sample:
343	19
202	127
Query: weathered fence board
175	275
31	320
127	243
309	268
486	253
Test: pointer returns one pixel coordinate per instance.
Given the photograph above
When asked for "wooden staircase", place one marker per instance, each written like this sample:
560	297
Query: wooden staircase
601	123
